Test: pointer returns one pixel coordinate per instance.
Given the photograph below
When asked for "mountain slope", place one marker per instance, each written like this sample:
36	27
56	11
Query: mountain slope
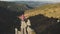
44	19
49	10
33	3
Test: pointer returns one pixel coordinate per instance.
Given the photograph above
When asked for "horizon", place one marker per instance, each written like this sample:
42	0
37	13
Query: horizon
32	0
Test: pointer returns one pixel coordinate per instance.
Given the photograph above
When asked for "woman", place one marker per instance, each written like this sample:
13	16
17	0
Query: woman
23	23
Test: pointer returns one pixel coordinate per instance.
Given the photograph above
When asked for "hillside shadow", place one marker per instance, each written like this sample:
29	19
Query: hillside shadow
7	21
44	25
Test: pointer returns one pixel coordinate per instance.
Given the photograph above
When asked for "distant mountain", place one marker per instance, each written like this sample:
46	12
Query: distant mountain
33	3
22	5
14	6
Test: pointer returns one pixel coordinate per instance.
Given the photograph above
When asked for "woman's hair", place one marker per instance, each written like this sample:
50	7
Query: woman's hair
25	19
20	13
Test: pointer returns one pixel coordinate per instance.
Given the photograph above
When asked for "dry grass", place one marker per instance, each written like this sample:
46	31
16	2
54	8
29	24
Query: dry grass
49	10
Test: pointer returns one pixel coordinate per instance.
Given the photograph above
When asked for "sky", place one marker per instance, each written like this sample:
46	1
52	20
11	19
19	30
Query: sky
33	0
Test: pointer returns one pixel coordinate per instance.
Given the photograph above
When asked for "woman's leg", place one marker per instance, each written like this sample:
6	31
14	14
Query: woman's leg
25	31
21	30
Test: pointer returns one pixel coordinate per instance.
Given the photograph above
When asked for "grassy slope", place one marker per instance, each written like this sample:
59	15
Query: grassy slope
49	10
